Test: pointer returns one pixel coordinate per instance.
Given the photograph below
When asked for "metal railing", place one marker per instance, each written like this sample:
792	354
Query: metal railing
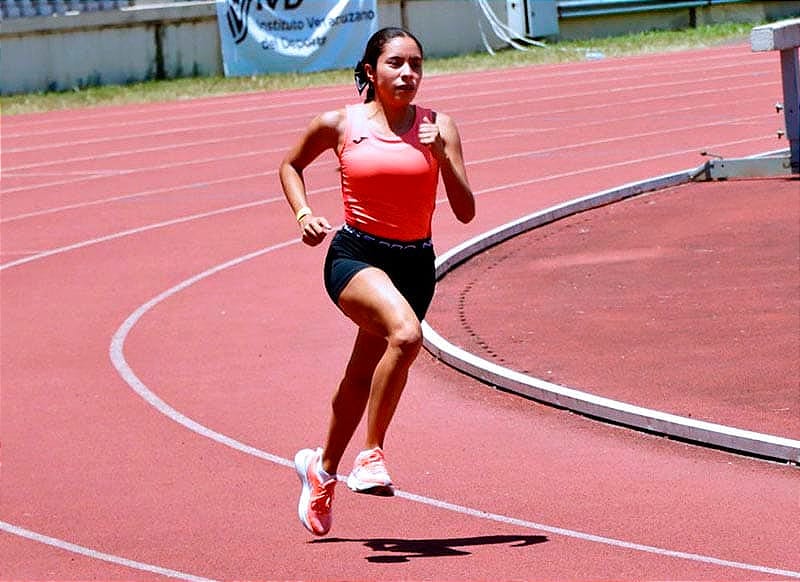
583	8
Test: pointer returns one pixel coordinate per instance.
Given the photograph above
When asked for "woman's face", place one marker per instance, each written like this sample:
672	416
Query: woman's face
399	71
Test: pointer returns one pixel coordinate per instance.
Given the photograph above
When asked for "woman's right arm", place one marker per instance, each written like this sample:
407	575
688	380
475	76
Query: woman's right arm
322	134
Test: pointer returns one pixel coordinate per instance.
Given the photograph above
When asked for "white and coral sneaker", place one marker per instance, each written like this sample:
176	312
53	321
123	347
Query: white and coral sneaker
316	495
369	474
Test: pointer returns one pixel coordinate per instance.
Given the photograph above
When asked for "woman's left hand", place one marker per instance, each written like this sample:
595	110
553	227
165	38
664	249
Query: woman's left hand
444	141
429	135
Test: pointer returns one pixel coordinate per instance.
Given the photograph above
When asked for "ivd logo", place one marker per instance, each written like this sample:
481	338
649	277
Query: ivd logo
238	10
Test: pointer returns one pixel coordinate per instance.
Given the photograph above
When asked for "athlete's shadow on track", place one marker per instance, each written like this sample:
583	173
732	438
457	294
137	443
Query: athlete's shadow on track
400	550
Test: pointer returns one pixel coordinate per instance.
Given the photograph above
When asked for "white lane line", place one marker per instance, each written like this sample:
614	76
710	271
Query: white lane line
16	173
498	188
533	114
587	537
526	153
214	105
124	233
46	161
450	90
605	141
144	193
117	356
536	112
57	209
146	169
97	555
457	108
118	359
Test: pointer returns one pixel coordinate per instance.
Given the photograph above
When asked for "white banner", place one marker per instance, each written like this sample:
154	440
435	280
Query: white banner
267	36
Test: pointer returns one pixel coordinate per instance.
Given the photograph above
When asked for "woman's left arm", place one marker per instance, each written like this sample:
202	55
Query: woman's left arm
445	143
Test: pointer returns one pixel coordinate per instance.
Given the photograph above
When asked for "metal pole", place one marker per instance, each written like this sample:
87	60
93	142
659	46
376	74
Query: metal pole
403	15
790	71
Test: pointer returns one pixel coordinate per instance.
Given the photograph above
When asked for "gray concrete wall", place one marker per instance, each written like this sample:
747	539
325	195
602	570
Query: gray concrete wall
675	19
109	47
163	40
447	28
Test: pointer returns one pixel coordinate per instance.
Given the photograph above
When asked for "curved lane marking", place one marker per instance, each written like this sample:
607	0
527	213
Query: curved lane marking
96	555
124	233
116	353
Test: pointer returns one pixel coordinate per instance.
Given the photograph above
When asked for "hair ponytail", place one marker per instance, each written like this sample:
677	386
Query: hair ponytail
360	75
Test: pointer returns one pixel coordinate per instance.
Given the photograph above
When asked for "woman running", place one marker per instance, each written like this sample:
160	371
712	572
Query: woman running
379	269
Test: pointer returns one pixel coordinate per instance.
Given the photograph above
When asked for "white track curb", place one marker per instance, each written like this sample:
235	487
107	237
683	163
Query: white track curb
759	444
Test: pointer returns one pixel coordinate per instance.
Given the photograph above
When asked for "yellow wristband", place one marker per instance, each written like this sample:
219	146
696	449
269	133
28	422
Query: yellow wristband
302	213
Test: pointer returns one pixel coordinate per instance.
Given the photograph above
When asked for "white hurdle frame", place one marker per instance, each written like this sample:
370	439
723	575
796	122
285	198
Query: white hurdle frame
784	36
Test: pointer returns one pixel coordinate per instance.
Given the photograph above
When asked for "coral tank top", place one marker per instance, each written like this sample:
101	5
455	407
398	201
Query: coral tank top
388	183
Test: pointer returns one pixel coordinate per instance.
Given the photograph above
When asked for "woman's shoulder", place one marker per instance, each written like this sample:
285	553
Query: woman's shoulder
328	127
333	119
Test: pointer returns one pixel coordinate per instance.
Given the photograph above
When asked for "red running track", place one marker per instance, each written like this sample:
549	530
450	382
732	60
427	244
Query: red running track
167	346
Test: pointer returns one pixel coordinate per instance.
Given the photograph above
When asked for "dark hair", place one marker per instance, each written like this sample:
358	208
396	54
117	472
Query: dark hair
372	51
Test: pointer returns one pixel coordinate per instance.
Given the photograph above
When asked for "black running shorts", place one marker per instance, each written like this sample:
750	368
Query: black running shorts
409	265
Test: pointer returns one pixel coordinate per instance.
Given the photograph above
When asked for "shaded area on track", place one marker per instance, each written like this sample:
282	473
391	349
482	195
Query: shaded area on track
685	300
391	550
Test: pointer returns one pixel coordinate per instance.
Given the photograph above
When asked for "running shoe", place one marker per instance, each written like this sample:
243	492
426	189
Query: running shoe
316	496
369	474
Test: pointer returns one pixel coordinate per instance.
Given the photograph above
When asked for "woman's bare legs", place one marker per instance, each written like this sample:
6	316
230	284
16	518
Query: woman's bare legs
388	342
350	399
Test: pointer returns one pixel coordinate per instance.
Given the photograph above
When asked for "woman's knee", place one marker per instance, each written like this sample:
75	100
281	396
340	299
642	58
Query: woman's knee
406	335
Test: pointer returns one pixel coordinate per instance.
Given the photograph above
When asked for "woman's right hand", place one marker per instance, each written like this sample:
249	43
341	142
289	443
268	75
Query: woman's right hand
314	229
